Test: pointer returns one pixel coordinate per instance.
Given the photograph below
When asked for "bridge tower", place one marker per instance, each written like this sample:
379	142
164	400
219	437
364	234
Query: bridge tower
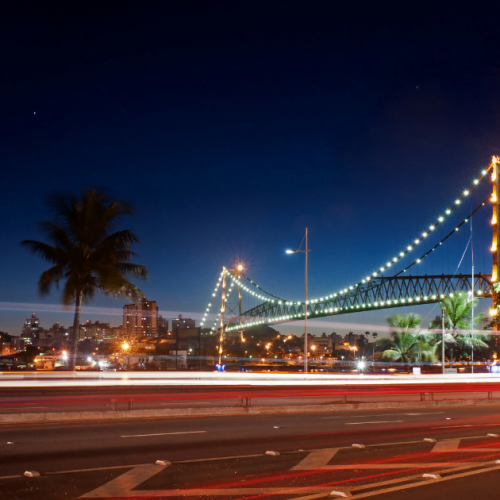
222	311
496	231
233	303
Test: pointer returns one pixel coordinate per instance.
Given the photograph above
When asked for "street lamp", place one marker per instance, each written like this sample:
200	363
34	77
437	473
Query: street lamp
306	250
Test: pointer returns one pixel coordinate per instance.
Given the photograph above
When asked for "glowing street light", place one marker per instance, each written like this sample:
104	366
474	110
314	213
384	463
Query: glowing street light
125	346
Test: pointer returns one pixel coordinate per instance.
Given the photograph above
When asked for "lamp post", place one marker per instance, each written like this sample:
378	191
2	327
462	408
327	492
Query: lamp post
306	250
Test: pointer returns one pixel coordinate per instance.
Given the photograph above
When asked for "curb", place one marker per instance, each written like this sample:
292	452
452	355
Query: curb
21	418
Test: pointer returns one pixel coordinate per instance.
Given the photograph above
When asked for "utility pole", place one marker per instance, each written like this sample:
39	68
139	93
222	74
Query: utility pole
305	317
472	297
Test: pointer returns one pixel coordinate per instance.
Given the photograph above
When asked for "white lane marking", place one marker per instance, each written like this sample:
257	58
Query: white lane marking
421	483
121	485
429	413
446	445
453	444
210	492
468	425
164	434
316	459
376	422
389	415
427	465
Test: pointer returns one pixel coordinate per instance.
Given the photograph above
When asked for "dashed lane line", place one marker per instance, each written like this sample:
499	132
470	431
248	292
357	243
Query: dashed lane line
375	422
164	434
422	483
388	415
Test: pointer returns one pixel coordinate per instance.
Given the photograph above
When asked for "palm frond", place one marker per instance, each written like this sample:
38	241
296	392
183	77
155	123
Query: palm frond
47	252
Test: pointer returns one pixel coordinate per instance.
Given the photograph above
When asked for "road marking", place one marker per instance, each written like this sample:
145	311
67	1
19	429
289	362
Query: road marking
389	415
164	434
421	483
466	425
315	459
420	465
122	485
377	422
446	445
428	413
125	493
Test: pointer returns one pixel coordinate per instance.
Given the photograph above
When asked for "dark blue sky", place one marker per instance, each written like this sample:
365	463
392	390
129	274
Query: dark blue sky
231	126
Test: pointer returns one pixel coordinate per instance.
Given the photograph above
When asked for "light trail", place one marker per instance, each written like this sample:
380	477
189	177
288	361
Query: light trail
102	379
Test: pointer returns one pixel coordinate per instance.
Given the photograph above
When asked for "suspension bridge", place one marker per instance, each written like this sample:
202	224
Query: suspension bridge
244	305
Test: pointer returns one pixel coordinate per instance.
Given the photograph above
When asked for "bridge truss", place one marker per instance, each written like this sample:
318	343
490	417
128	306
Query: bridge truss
380	293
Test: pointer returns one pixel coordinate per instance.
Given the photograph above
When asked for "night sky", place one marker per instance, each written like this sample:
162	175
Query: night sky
231	126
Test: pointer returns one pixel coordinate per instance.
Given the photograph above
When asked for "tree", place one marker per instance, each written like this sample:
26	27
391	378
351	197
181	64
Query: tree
85	253
407	342
458	317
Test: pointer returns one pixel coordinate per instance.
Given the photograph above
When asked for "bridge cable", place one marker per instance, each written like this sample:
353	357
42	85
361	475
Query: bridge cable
417	261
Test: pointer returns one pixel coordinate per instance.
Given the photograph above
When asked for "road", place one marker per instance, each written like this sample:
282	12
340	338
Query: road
225	457
59	399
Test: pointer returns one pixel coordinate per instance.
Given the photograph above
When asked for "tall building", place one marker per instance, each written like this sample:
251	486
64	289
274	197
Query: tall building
31	325
181	323
89	330
140	319
31	330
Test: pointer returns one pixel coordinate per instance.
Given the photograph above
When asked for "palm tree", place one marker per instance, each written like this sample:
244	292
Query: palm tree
407	342
458	317
85	252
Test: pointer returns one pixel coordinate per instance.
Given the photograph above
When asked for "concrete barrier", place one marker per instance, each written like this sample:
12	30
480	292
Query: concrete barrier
18	418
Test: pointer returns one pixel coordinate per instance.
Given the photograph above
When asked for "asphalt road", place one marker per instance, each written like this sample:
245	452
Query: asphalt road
225	457
58	399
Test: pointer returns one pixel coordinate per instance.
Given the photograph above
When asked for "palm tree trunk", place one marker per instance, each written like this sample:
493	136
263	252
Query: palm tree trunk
76	328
